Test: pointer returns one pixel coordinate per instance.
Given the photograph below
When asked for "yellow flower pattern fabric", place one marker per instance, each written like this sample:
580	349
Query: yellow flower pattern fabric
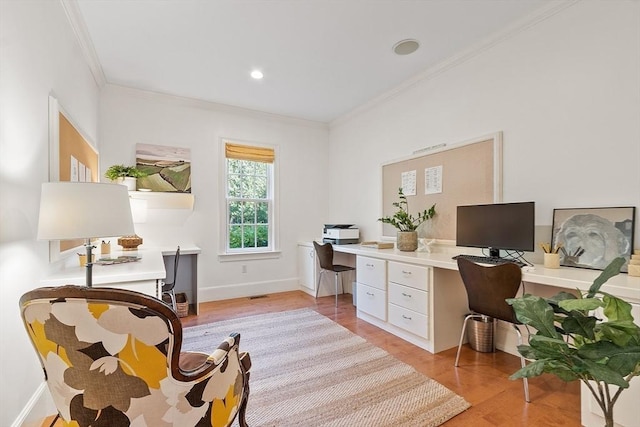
109	364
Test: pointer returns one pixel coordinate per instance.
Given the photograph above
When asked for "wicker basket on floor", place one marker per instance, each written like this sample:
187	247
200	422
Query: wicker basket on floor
182	305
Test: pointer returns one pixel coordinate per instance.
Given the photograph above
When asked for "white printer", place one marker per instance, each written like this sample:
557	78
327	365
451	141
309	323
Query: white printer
340	234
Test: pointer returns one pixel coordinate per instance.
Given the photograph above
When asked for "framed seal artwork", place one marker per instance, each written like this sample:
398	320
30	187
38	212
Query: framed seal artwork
593	237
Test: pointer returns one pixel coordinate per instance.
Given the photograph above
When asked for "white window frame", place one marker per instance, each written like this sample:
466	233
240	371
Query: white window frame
271	251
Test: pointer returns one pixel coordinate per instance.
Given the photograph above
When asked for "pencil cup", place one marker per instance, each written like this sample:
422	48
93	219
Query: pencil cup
551	260
83	259
105	248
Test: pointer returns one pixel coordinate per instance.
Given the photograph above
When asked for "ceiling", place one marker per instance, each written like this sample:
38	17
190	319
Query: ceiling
321	59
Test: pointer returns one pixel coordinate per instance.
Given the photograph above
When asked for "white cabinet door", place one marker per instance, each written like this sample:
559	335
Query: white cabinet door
372	272
307	267
414	276
372	301
410	298
409	320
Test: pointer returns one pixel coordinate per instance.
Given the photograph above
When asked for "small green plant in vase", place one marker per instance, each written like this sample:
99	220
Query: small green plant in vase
126	175
121	171
573	342
406	223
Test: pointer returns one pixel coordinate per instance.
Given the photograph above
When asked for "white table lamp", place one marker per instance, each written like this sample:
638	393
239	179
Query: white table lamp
84	210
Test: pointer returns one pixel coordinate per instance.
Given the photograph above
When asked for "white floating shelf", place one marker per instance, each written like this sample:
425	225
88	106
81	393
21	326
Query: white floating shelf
160	200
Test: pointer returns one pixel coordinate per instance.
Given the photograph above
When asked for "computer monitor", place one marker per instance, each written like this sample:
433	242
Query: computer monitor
507	226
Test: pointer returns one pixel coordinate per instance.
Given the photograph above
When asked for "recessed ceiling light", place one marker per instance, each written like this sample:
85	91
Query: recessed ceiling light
257	74
405	47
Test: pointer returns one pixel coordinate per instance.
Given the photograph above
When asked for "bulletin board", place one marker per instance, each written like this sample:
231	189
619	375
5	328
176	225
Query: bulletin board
78	158
71	158
447	175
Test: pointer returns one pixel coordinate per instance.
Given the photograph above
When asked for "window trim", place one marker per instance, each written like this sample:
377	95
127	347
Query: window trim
273	251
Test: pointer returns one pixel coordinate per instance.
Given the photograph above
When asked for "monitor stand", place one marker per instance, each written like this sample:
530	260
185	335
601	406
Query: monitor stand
494	253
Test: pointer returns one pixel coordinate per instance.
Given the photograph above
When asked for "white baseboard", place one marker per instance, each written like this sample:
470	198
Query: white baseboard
240	290
39	406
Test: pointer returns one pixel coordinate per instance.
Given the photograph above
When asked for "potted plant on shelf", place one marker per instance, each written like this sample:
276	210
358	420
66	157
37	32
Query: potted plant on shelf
573	343
407	224
126	175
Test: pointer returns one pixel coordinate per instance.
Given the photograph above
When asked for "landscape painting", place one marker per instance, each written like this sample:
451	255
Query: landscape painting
166	169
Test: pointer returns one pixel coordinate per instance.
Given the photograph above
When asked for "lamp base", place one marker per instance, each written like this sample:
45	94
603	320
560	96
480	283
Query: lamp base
89	265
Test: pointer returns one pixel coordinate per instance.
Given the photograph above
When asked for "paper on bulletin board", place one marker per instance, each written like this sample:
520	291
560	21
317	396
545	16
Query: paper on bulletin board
409	183
82	172
74	171
433	180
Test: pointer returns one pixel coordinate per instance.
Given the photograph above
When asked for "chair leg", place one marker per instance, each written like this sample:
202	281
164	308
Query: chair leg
172	295
494	329
525	381
335	279
464	327
318	284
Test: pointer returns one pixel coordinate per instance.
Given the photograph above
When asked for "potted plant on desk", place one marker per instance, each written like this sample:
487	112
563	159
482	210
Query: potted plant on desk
573	343
407	236
126	175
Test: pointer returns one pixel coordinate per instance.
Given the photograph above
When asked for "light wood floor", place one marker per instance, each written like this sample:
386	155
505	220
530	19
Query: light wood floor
481	378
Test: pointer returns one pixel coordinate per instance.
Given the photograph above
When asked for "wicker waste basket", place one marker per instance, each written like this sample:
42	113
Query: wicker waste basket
182	304
480	333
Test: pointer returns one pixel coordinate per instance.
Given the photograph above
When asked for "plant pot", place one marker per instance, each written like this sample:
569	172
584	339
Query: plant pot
129	182
407	241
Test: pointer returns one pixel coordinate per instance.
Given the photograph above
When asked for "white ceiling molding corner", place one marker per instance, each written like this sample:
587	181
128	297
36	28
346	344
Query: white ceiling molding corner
72	10
498	37
212	106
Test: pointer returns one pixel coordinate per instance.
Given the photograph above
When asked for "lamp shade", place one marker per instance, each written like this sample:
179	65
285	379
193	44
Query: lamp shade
82	210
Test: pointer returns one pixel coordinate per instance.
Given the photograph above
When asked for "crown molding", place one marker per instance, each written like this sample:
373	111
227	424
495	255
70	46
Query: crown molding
461	57
212	106
74	15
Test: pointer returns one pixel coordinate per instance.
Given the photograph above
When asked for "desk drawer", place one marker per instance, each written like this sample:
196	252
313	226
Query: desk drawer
409	320
372	301
411	298
372	272
409	275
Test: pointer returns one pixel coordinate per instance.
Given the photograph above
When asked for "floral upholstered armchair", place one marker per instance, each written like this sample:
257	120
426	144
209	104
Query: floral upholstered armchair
112	357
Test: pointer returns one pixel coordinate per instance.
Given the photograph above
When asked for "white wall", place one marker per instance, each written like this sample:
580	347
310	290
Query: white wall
39	55
565	92
128	117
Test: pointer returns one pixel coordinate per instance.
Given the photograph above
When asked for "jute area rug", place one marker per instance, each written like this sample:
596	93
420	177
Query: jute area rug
309	371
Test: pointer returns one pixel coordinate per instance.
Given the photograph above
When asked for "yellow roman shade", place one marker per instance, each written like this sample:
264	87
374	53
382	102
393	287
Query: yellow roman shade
247	152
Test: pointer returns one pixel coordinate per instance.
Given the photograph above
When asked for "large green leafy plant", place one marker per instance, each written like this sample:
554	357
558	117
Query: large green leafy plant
402	219
574	343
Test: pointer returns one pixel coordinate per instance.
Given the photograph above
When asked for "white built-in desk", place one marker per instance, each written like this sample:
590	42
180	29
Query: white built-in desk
142	276
145	275
622	285
440	287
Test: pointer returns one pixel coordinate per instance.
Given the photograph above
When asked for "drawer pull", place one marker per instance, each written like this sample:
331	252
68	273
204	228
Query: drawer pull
408	273
406	317
406	295
370	265
370	294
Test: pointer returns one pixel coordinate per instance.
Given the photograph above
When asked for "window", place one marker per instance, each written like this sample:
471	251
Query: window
249	198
